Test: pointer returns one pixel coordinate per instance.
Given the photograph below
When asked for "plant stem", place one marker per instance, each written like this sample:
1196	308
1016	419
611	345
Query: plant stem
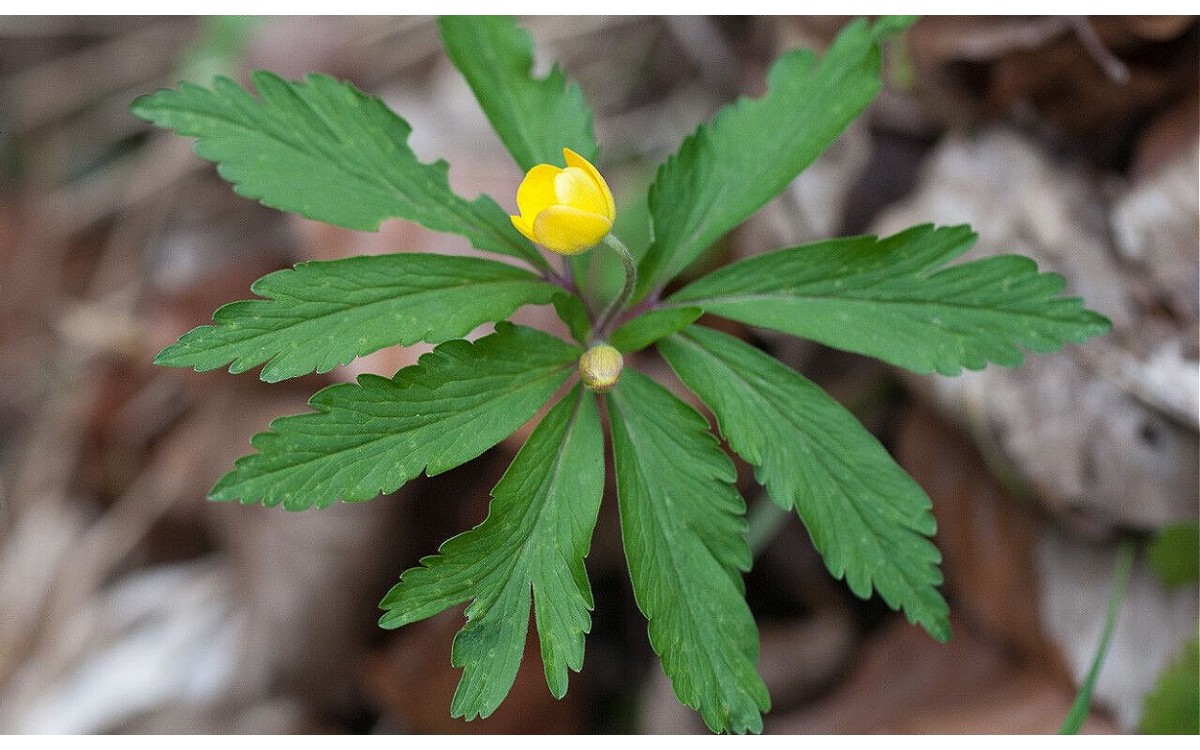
563	280
600	329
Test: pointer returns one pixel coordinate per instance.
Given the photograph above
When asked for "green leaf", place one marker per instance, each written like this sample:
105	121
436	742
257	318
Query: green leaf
534	117
323	314
534	539
753	148
888	26
891	299
1173	706
369	438
642	331
571	311
1175	554
869	520
683	527
327	151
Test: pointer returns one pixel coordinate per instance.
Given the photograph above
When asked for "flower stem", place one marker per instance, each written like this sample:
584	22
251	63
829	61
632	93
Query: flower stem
606	318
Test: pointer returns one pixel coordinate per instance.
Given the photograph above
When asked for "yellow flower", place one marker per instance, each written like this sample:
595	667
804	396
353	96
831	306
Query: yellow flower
600	368
567	210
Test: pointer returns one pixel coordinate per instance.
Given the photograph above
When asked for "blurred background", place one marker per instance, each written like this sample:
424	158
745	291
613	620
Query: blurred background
129	603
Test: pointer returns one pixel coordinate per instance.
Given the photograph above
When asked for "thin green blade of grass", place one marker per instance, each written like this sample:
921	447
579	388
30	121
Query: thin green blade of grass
1083	701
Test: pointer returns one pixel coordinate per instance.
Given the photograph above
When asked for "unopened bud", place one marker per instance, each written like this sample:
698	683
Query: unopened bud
600	368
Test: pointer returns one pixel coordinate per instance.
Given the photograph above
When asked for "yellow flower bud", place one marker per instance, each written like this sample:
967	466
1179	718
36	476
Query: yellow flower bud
600	368
566	210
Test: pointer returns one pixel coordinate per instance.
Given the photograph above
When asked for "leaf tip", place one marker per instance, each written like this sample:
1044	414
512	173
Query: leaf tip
391	619
220	492
939	629
166	357
886	26
1099	325
140	107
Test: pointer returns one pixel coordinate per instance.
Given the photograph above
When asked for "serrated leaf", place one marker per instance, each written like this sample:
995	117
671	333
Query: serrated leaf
322	314
642	331
536	535
869	520
1173	706
893	299
683	528
752	149
534	117
325	150
370	437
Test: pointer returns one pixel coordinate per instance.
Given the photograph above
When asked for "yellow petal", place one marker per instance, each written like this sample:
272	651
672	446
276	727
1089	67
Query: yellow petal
536	192
575	160
573	187
569	231
523	227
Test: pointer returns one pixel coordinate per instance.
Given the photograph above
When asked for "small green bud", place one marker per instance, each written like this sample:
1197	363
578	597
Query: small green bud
600	368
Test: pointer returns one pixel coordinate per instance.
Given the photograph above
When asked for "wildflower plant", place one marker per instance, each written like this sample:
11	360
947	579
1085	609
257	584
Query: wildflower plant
323	149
